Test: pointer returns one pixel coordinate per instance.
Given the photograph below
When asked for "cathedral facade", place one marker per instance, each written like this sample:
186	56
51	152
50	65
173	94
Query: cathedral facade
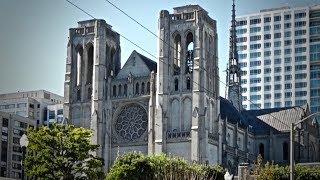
172	106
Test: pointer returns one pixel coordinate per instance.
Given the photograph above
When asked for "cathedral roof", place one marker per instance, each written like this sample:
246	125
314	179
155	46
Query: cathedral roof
151	64
279	119
263	120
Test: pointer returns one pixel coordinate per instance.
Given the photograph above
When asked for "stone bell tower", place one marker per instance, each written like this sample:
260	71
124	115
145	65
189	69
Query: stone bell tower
187	90
93	58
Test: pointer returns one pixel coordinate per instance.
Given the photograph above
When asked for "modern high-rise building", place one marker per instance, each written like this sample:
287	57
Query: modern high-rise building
279	57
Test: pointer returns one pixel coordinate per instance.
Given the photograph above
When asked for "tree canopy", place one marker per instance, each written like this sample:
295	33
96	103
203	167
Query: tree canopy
62	152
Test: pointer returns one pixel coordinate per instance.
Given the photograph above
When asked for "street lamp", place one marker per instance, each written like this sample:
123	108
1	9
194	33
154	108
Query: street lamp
292	142
23	143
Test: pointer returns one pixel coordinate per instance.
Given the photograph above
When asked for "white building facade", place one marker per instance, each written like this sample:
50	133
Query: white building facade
30	104
279	57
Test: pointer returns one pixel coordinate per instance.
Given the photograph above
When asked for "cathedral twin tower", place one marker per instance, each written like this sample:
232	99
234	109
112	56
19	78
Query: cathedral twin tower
167	107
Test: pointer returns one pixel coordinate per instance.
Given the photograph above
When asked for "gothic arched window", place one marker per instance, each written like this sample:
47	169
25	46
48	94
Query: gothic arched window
188	83
189	54
89	93
114	91
79	64
176	85
90	64
285	151
177	56
148	87
142	88
261	150
125	90
137	88
120	90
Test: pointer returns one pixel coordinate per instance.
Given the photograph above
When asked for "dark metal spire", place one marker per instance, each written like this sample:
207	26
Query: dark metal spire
233	71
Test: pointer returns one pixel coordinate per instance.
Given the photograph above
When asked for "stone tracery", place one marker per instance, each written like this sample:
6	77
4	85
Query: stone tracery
131	122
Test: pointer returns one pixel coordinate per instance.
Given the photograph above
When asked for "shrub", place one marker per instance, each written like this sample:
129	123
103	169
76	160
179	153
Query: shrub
135	166
276	172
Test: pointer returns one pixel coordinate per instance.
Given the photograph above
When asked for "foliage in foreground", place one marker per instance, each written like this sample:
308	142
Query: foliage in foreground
270	171
136	166
62	152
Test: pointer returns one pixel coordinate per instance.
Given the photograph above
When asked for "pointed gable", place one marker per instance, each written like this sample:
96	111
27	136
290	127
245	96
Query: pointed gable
138	65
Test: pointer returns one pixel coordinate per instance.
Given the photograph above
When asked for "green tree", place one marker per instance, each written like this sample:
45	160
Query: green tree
62	152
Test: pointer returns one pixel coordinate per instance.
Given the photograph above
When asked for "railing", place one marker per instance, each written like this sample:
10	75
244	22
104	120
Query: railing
175	134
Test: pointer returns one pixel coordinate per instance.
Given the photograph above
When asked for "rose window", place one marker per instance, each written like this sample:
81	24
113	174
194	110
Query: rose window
132	122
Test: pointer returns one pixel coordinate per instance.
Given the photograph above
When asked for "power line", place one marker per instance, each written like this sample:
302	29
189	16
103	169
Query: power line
167	63
80	9
140	47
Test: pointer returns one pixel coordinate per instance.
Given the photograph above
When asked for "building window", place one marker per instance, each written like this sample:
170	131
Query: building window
288	103
267	96
142	88
188	83
277	43
287	77
267	62
148	87
267	79
287	60
287	25
255	29
114	93
5	122
277	35
176	85
261	150
276	18
287	42
267	45
287	34
137	88
255	21
267	88
255	54
288	94
277	61
287	16
119	90
267	36
288	86
277	26
277	87
267	28
300	24
241	23
255	71
255	38
267	19
125	89
277	104
299	15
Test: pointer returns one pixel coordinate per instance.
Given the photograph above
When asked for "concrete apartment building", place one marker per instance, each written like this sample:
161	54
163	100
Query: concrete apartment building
13	127
279	55
31	104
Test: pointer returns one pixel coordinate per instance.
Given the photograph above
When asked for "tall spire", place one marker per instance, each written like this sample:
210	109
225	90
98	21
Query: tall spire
233	71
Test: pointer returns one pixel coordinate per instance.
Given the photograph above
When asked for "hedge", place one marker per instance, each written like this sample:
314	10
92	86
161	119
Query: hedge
276	172
135	166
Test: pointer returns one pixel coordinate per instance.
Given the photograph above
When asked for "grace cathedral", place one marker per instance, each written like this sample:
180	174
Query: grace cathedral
173	106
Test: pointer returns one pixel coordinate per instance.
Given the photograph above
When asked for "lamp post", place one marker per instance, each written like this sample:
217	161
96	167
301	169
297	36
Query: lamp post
23	143
292	142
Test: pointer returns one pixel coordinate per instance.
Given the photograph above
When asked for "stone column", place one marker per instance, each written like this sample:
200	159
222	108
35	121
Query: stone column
151	114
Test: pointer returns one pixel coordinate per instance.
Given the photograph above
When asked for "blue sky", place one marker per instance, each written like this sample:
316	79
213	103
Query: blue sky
34	33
